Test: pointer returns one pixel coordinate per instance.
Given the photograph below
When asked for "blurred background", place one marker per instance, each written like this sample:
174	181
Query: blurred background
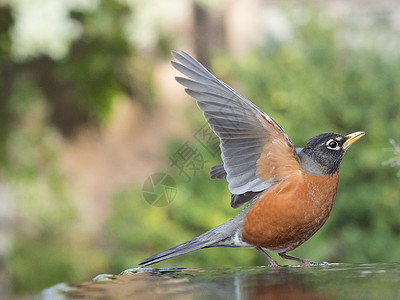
104	160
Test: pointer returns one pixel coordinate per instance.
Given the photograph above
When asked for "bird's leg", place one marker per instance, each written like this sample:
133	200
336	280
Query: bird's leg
306	262
273	263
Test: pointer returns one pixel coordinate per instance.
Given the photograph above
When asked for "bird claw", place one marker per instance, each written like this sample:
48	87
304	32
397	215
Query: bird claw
273	265
308	263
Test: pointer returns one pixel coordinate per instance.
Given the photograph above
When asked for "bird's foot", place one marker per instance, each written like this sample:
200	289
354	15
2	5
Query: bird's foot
272	263
306	262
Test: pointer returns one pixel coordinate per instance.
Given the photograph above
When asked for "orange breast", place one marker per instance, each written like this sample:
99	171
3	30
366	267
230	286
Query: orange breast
290	212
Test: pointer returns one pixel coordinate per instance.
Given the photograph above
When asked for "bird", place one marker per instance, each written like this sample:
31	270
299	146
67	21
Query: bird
290	191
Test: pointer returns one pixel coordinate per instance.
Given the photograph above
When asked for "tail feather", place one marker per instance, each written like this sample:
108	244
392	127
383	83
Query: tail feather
189	246
221	236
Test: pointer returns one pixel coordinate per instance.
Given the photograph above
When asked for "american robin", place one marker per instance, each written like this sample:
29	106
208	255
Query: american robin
291	190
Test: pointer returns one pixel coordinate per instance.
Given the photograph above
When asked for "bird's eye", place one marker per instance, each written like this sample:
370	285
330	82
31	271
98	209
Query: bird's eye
333	145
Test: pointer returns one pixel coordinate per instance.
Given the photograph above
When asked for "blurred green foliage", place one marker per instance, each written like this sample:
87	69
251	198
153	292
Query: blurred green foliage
314	83
79	89
44	100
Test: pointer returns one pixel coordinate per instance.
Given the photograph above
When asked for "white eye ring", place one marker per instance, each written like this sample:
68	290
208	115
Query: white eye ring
332	144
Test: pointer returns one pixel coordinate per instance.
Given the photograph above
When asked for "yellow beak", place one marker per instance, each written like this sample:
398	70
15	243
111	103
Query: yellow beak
351	138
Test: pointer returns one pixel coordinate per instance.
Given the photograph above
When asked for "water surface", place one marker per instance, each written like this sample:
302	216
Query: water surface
340	281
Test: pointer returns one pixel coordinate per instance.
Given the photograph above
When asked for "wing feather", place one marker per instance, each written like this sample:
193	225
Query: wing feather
256	152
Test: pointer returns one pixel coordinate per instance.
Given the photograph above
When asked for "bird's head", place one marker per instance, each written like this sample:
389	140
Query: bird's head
323	153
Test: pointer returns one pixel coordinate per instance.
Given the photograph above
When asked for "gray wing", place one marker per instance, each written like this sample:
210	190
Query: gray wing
243	129
218	171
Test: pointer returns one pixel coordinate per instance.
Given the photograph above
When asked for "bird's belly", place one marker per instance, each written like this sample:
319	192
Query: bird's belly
290	212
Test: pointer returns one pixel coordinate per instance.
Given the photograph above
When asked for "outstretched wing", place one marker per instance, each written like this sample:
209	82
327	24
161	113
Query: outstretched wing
256	152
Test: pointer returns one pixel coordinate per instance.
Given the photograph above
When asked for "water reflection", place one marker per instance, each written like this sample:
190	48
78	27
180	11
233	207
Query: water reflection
353	281
282	284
